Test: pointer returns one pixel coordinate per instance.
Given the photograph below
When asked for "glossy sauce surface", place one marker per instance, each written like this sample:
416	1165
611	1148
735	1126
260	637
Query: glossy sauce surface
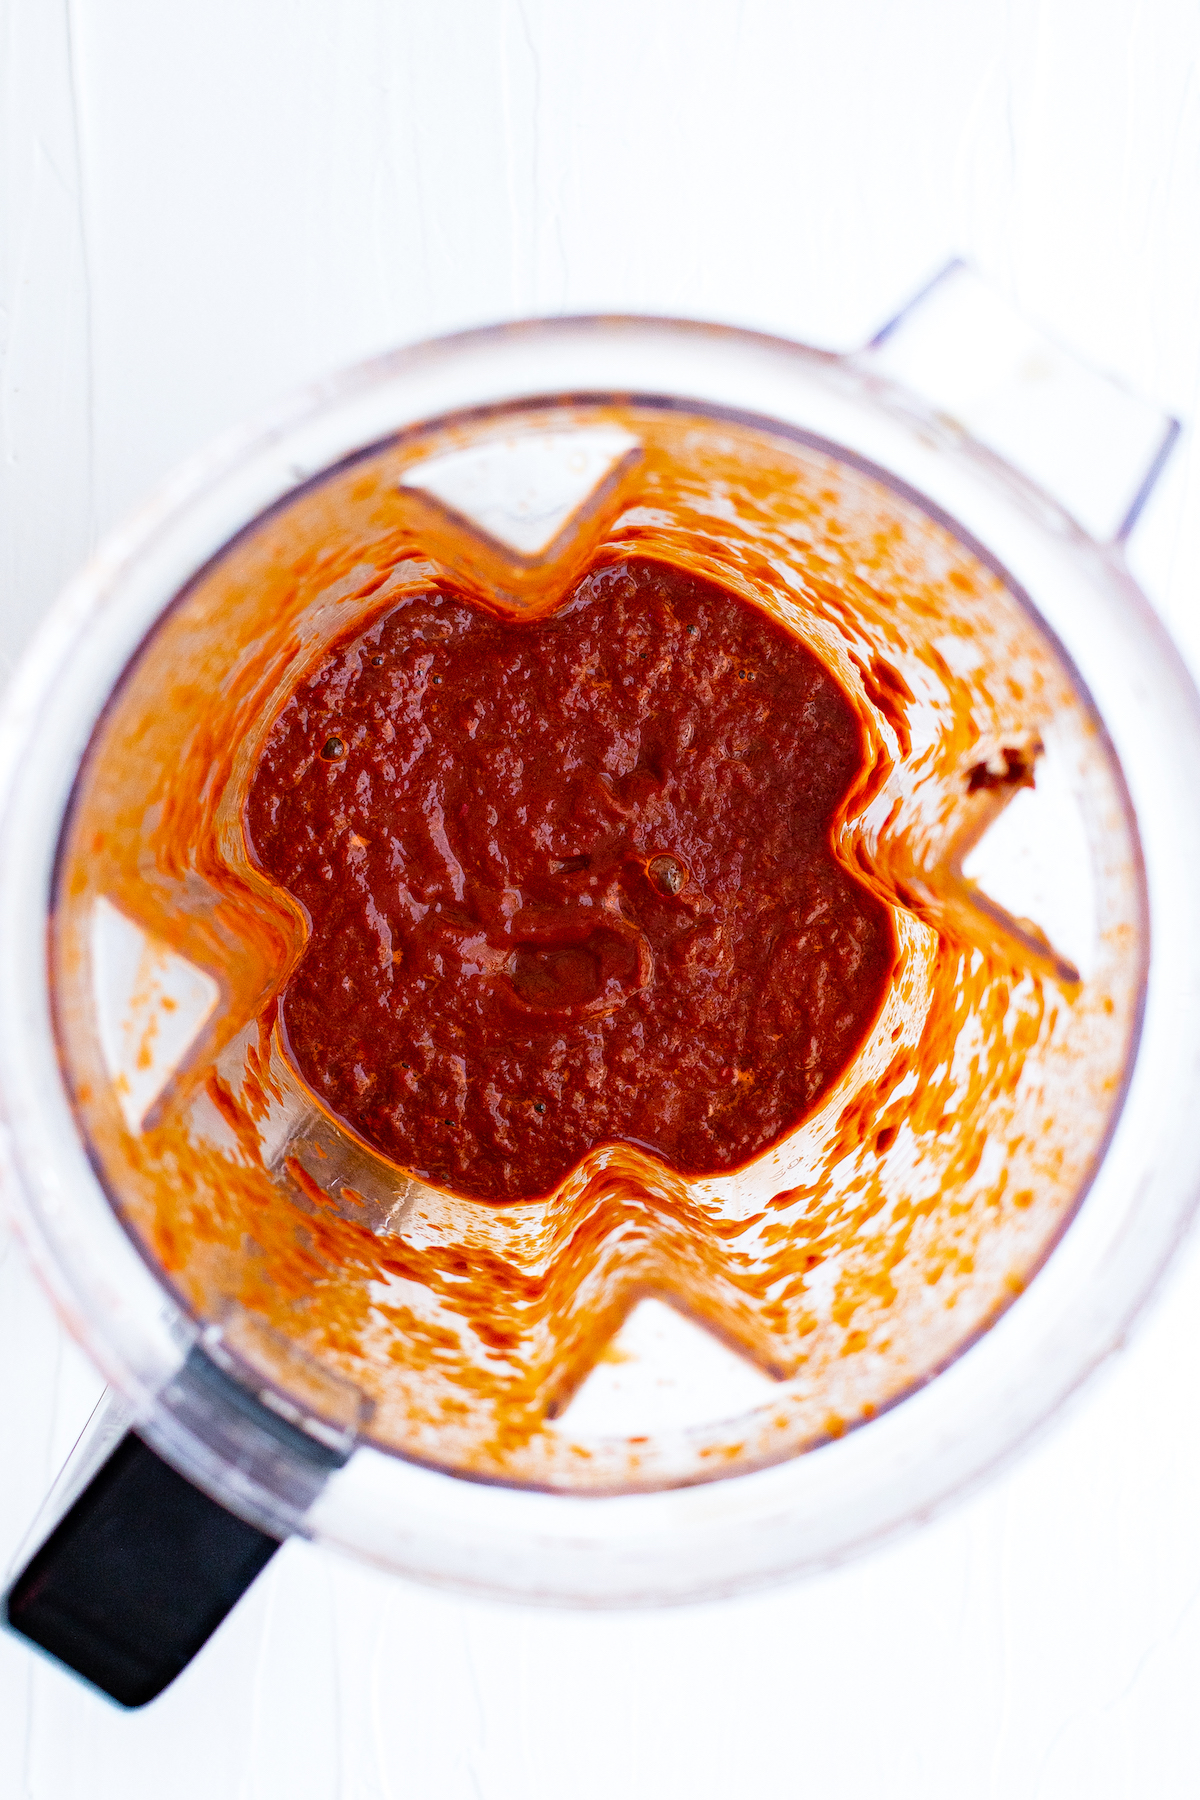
570	882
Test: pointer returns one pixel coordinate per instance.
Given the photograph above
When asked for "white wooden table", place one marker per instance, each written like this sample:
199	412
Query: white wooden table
203	206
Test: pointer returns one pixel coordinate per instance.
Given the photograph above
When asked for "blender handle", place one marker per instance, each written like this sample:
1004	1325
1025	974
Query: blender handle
144	1565
136	1577
1084	438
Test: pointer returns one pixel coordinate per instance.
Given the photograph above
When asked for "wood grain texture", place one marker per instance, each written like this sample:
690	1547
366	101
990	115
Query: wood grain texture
205	206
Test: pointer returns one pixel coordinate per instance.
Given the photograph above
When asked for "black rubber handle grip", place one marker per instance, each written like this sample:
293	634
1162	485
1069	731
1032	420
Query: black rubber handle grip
136	1576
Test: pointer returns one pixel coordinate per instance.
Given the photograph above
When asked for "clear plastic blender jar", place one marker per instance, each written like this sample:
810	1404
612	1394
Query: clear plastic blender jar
740	1377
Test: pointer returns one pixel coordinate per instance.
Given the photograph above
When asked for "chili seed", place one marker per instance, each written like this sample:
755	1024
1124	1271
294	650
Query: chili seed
667	874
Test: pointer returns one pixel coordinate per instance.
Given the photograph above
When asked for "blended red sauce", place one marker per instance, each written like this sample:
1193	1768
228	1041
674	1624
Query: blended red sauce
570	882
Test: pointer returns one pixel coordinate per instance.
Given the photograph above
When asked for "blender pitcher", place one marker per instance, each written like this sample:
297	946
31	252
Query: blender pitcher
641	1387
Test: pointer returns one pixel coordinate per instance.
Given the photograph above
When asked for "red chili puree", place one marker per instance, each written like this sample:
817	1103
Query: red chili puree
570	882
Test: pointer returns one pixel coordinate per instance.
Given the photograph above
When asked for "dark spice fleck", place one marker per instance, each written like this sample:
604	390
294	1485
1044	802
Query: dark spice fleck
1012	768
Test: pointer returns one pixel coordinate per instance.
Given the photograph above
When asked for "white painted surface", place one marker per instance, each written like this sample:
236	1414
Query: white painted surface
1035	861
524	490
205	206
151	1006
663	1372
